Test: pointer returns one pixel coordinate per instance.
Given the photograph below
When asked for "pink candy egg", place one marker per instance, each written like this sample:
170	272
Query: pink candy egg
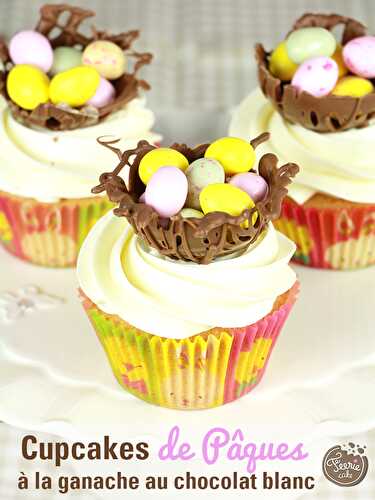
253	184
317	76
166	191
31	47
104	94
359	56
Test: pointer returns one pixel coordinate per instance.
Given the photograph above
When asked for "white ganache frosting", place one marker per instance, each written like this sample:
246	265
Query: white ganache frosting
49	166
178	299
340	164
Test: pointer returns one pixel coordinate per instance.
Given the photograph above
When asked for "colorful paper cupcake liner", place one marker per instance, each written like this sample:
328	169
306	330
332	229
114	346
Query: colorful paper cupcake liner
330	238
48	234
203	371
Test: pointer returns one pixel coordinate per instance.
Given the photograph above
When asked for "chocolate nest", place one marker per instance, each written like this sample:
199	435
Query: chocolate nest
198	240
60	117
321	114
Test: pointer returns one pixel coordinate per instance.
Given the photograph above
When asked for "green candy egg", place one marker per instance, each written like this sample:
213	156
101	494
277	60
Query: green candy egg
200	174
306	43
65	58
191	213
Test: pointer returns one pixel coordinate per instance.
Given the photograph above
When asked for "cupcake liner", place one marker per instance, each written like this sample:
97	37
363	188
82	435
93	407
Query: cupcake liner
48	234
330	238
203	371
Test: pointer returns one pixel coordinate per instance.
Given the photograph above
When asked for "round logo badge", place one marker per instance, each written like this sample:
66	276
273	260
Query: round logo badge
345	465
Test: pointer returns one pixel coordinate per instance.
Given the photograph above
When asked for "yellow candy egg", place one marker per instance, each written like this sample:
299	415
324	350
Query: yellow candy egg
106	57
337	56
281	65
74	86
160	157
27	86
353	86
225	198
236	155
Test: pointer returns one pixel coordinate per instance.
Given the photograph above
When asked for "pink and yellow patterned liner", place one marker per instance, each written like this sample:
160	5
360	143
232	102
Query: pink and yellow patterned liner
330	238
203	371
48	234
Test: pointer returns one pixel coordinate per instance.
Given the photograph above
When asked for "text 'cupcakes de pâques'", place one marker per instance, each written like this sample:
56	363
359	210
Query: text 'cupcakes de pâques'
317	100
187	283
62	89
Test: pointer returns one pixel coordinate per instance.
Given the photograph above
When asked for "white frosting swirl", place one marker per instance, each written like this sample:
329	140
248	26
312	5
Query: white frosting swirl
339	164
50	166
178	299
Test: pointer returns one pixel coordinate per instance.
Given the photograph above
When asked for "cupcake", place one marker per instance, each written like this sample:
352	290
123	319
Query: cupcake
60	92
317	100
187	283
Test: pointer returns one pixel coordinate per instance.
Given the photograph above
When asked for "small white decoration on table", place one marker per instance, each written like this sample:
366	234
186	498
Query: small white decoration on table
15	305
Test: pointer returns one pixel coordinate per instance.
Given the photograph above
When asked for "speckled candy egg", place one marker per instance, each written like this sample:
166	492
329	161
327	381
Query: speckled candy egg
31	47
317	76
306	43
200	174
157	158
106	57
353	86
359	56
27	86
236	155
65	58
225	198
280	63
166	191
105	94
75	86
253	184
191	213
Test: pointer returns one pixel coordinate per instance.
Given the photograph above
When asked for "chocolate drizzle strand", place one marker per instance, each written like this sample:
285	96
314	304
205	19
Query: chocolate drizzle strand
191	239
321	114
63	117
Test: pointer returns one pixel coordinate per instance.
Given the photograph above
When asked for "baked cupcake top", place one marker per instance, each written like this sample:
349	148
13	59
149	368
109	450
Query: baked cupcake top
297	101
69	80
197	204
51	145
314	80
179	208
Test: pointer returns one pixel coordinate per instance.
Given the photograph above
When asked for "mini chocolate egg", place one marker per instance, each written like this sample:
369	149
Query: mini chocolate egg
65	58
353	86
106	57
236	155
75	86
337	57
281	65
105	94
200	174
166	191
157	158
359	56
317	76
27	86
306	43
191	213
31	47
253	184
225	198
